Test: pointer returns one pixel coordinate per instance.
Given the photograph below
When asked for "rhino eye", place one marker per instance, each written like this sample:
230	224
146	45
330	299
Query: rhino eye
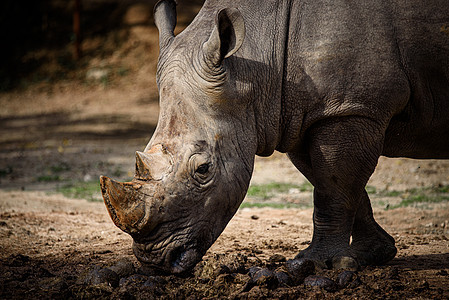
202	169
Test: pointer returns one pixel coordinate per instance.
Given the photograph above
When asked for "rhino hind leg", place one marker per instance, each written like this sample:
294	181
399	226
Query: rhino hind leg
370	242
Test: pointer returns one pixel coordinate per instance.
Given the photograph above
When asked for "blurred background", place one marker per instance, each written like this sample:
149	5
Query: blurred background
78	97
77	89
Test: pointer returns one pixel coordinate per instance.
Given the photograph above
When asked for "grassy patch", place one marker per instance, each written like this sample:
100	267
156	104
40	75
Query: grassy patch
412	197
61	167
53	172
261	194
267	191
370	189
49	178
89	190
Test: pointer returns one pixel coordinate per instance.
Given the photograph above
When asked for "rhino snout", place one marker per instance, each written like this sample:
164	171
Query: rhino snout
171	259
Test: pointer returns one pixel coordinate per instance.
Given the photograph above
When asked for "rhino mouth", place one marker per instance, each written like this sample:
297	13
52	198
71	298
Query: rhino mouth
176	260
182	259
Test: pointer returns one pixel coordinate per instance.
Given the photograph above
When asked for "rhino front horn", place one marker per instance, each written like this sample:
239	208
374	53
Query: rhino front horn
124	205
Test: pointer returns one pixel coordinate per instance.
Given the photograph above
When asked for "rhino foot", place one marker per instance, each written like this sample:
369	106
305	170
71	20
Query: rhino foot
339	258
370	242
373	246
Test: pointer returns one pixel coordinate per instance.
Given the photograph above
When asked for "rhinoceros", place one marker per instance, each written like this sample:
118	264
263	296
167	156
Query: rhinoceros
333	84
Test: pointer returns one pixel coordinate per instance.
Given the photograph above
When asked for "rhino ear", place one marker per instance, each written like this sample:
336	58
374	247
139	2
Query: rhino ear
226	37
165	20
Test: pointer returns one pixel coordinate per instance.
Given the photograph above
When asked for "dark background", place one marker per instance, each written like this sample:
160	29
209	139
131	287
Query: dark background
28	26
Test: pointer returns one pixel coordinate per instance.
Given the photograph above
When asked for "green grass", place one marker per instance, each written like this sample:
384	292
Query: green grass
261	194
370	189
61	167
89	190
53	173
412	197
268	191
122	71
48	178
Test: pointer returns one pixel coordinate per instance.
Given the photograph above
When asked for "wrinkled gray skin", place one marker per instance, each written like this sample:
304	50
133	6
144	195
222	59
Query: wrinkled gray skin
334	84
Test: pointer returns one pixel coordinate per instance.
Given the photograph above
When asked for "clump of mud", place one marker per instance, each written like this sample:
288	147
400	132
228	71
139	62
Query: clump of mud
232	276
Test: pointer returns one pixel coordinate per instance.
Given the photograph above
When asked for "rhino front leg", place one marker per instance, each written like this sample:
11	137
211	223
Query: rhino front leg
341	155
371	243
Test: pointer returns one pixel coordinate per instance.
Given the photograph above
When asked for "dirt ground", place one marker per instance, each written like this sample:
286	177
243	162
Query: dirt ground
49	242
54	133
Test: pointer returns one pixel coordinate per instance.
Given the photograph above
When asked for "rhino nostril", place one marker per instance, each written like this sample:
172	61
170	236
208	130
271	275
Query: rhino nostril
176	257
182	259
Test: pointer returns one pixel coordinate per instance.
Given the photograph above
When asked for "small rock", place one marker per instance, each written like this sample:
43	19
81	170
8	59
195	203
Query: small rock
321	282
99	276
262	275
282	277
299	269
254	217
253	270
345	277
123	268
277	258
265	277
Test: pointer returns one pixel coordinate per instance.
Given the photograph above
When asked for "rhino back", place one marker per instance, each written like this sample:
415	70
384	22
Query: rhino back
421	130
306	61
382	59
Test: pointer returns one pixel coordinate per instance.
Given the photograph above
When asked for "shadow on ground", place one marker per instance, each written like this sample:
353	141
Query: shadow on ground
47	149
422	262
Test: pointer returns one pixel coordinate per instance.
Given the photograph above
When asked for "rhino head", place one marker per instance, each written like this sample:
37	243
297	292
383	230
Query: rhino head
195	171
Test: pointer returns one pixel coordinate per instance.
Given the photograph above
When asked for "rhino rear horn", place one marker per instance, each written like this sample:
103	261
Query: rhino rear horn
153	164
226	37
165	20
142	166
